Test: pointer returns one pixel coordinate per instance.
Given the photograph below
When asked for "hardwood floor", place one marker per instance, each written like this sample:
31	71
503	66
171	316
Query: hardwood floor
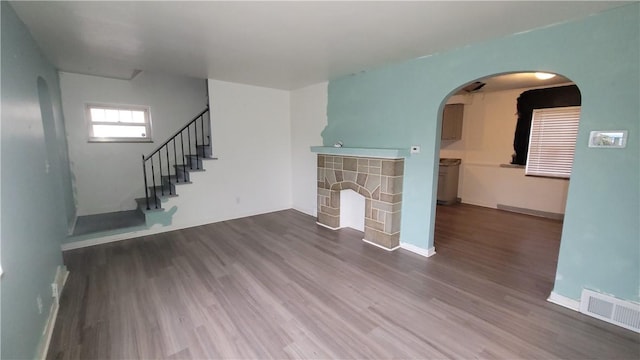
515	250
280	286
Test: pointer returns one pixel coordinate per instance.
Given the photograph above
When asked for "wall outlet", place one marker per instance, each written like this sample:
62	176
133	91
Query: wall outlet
415	149
39	302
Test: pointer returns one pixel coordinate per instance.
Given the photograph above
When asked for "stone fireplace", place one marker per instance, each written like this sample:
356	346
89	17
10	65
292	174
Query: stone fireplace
378	180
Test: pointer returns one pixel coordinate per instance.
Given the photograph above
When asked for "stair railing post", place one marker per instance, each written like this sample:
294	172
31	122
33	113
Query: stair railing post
153	178
182	146
195	129
168	170
189	138
146	187
160	166
202	126
175	160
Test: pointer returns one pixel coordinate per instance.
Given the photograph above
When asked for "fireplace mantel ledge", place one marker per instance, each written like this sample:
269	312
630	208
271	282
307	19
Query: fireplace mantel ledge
363	152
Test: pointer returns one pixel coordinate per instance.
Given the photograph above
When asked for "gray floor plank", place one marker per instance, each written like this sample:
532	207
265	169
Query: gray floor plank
279	286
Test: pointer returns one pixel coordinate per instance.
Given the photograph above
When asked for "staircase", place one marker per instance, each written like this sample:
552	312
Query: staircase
165	170
168	167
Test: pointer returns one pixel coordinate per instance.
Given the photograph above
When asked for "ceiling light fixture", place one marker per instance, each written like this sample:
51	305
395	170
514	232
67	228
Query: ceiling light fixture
544	75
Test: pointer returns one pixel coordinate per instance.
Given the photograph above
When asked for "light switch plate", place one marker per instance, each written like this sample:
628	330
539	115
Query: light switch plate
608	139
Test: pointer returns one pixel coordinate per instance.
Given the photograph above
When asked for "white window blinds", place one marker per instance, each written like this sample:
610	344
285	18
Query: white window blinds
552	141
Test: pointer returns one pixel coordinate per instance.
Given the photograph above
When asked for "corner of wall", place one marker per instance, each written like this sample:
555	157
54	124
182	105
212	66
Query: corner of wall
308	112
418	250
561	300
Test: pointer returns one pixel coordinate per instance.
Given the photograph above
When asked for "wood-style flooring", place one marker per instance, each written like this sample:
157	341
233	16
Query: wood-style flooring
280	286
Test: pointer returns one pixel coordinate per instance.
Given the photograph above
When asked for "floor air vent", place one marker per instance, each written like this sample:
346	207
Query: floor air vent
610	309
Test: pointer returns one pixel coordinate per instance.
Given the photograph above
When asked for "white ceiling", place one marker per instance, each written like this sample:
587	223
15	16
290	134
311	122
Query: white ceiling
526	80
283	45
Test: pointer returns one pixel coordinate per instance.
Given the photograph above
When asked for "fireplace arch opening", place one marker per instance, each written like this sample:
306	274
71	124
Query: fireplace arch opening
352	211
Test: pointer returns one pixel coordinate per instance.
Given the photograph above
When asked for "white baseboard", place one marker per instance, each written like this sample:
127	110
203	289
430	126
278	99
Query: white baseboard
475	202
418	250
327	226
532	212
564	301
62	274
45	340
380	246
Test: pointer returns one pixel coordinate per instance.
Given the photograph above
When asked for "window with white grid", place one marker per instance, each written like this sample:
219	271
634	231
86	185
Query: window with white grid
119	123
552	141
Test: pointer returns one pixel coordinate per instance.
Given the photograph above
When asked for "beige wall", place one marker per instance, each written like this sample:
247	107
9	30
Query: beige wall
487	141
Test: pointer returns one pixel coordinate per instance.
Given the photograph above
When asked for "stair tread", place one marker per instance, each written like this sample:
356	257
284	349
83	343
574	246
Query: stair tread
184	165
142	205
187	168
175	183
165	196
181	183
202	157
158	192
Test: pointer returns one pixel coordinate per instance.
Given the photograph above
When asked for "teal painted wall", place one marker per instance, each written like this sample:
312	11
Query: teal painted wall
37	202
399	105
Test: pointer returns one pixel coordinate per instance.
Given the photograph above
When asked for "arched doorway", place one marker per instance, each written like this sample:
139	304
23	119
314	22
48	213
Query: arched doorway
482	224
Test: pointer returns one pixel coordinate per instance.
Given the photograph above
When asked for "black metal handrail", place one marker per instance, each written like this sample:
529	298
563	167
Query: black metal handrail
156	156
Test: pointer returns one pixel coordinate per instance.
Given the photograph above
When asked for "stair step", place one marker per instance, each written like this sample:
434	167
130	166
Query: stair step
142	204
201	157
186	168
204	150
169	191
175	180
182	176
196	161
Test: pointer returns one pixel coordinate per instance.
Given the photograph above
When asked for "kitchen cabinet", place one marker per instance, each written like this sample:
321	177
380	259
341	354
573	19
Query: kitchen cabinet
448	181
452	122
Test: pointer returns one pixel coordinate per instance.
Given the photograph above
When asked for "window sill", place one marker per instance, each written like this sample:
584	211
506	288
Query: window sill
548	177
512	166
107	141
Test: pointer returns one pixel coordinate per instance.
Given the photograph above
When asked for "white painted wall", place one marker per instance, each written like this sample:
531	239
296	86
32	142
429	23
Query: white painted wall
252	141
487	141
251	131
108	176
308	119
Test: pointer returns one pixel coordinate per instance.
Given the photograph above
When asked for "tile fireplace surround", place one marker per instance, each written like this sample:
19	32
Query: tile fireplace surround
378	180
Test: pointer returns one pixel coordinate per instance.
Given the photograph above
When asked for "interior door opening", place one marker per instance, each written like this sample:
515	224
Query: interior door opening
490	214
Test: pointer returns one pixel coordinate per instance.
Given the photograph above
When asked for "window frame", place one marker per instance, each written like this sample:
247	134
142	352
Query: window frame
555	170
90	123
